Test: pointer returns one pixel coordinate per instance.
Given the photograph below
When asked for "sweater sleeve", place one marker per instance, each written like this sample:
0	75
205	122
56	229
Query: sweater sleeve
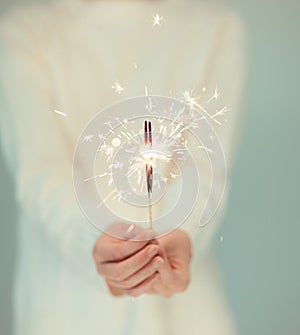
225	69
37	152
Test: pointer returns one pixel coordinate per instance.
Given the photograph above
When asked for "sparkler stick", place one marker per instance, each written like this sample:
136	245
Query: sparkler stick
149	167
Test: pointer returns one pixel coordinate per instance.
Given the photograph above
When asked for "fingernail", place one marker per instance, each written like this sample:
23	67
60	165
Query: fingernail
152	251
157	263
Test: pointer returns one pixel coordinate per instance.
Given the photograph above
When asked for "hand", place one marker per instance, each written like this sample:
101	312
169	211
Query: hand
134	268
129	267
174	274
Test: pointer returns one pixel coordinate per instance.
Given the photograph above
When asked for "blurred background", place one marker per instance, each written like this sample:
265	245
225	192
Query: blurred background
259	254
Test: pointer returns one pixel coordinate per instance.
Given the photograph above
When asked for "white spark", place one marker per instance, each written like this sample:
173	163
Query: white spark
156	20
59	112
107	150
135	65
88	138
94	177
117	87
174	175
115	142
106	198
205	148
117	165
215	95
221	238
130	229
101	137
111	180
191	98
220	112
117	196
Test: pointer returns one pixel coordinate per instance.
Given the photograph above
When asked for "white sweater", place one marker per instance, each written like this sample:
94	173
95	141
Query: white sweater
66	56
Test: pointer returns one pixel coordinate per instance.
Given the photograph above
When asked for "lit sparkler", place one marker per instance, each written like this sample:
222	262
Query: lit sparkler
149	167
121	155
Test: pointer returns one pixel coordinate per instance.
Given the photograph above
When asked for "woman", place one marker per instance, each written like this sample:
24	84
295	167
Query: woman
66	56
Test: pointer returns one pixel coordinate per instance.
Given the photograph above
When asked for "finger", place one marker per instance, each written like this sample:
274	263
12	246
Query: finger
109	249
127	231
158	288
119	271
166	273
141	275
173	279
143	287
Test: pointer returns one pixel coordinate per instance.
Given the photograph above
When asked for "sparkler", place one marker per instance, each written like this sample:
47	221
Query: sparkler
149	167
122	153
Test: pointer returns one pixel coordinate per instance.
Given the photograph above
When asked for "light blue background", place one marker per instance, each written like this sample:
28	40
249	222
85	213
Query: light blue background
259	255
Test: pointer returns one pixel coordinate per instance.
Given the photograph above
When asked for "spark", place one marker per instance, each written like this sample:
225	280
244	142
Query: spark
205	148
88	138
116	165
59	112
115	142
94	177
117	88
222	111
135	65
156	20
107	150
101	137
118	196
168	143
130	229
221	238
215	95
110	181
191	98
111	129
106	198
